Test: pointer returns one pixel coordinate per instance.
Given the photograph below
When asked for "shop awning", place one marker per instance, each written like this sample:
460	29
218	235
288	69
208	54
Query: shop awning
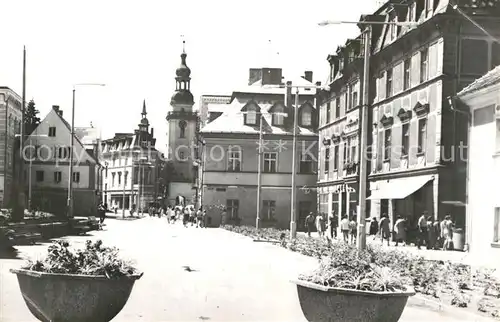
399	188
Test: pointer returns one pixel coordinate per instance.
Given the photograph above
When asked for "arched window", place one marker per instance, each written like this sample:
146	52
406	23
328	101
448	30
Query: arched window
182	129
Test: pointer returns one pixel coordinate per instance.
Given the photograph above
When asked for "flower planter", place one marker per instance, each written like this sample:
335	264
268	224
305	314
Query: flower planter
75	298
322	303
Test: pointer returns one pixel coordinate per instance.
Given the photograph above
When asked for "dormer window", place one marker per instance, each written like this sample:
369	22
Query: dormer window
278	119
251	118
278	114
306	119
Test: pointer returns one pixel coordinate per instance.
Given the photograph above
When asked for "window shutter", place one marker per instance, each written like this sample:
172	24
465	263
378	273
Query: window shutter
321	165
380	147
433	58
430	147
382	86
396	146
397	78
412	155
440	56
415	70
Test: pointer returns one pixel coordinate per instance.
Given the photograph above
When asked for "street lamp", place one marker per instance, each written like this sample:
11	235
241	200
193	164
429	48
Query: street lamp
361	238
30	164
72	140
293	201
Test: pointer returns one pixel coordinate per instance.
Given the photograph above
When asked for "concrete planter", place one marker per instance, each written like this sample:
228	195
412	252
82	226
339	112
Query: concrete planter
73	298
322	303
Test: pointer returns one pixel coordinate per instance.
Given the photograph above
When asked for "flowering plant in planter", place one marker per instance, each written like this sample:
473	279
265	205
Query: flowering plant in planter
90	284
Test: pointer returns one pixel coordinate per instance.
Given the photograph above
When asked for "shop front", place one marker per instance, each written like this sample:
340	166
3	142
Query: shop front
407	197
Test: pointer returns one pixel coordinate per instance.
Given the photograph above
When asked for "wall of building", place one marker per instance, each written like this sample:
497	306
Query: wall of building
54	201
181	150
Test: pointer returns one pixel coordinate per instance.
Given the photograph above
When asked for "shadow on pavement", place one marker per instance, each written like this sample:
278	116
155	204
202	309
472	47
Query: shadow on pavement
9	253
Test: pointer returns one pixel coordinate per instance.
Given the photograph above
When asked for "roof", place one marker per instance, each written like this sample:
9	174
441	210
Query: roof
489	79
88	135
214	107
232	121
258	88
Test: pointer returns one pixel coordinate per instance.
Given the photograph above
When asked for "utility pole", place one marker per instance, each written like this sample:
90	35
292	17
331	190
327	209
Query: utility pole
293	202
259	171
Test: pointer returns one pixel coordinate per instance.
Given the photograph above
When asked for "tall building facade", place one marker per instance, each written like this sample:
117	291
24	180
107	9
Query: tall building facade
130	163
414	134
183	126
10	125
230	164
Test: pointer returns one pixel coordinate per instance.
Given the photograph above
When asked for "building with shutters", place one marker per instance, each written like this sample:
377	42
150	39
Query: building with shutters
414	135
230	170
339	132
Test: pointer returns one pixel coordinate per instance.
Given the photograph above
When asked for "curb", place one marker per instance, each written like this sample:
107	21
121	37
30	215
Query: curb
421	301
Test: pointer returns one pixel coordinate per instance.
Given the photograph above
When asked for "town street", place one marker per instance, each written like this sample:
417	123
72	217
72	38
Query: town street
234	278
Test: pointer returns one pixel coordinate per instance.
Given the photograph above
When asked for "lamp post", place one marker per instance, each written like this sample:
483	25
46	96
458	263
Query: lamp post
361	238
72	145
30	164
293	201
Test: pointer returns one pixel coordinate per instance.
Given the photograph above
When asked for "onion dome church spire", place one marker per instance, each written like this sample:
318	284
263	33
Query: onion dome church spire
182	96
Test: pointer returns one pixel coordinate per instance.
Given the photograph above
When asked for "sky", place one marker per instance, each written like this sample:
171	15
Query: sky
134	48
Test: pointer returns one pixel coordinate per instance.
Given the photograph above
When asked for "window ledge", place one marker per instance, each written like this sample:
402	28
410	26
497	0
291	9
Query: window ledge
495	245
420	154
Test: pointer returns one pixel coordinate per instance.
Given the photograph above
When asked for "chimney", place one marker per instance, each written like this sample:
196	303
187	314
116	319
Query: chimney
152	132
288	96
271	76
308	76
58	111
255	74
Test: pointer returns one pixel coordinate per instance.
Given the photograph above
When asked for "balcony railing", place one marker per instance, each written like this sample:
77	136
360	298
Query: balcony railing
182	115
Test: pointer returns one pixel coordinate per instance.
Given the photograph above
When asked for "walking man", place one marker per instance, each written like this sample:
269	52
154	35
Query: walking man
309	223
422	230
384	228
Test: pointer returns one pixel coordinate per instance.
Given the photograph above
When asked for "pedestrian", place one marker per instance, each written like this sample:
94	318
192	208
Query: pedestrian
192	215
374	227
344	228
333	222
353	229
185	217
199	218
400	230
431	233
309	223
223	217
102	214
422	230
437	230
448	233
384	229
204	218
320	224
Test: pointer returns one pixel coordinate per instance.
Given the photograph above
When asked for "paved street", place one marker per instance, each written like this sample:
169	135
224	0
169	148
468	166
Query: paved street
235	279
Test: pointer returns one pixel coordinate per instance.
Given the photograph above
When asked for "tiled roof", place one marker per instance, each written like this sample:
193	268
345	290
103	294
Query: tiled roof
232	121
489	79
214	107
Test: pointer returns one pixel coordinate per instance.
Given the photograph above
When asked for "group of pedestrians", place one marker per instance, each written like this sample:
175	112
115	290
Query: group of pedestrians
434	234
187	214
327	227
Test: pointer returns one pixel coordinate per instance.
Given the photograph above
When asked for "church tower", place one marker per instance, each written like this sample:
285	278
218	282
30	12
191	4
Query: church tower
182	128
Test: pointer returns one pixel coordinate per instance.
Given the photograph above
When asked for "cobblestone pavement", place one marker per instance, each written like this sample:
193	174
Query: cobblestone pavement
234	279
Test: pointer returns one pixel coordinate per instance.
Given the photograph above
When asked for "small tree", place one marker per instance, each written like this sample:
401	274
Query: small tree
31	119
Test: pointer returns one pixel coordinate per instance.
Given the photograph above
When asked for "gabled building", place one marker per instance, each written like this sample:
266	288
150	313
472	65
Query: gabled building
130	163
481	100
49	168
10	126
414	134
230	163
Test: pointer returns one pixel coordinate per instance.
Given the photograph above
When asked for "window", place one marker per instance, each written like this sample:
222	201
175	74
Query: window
62	152
113	179
39	176
251	118
407	73
413	12
306	164
335	157
387	144
496	226
354	99
306	118
119	178
57	176
327	160
278	119
328	111
52	131
346	147
422	134
323	203
76	177
232	206
125	176
181	156
270	162
424	56
388	84
234	161
428	7
405	139
182	134
268	209
354	147
337	107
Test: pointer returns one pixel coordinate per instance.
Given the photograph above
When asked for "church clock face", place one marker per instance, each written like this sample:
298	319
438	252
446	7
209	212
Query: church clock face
182	124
